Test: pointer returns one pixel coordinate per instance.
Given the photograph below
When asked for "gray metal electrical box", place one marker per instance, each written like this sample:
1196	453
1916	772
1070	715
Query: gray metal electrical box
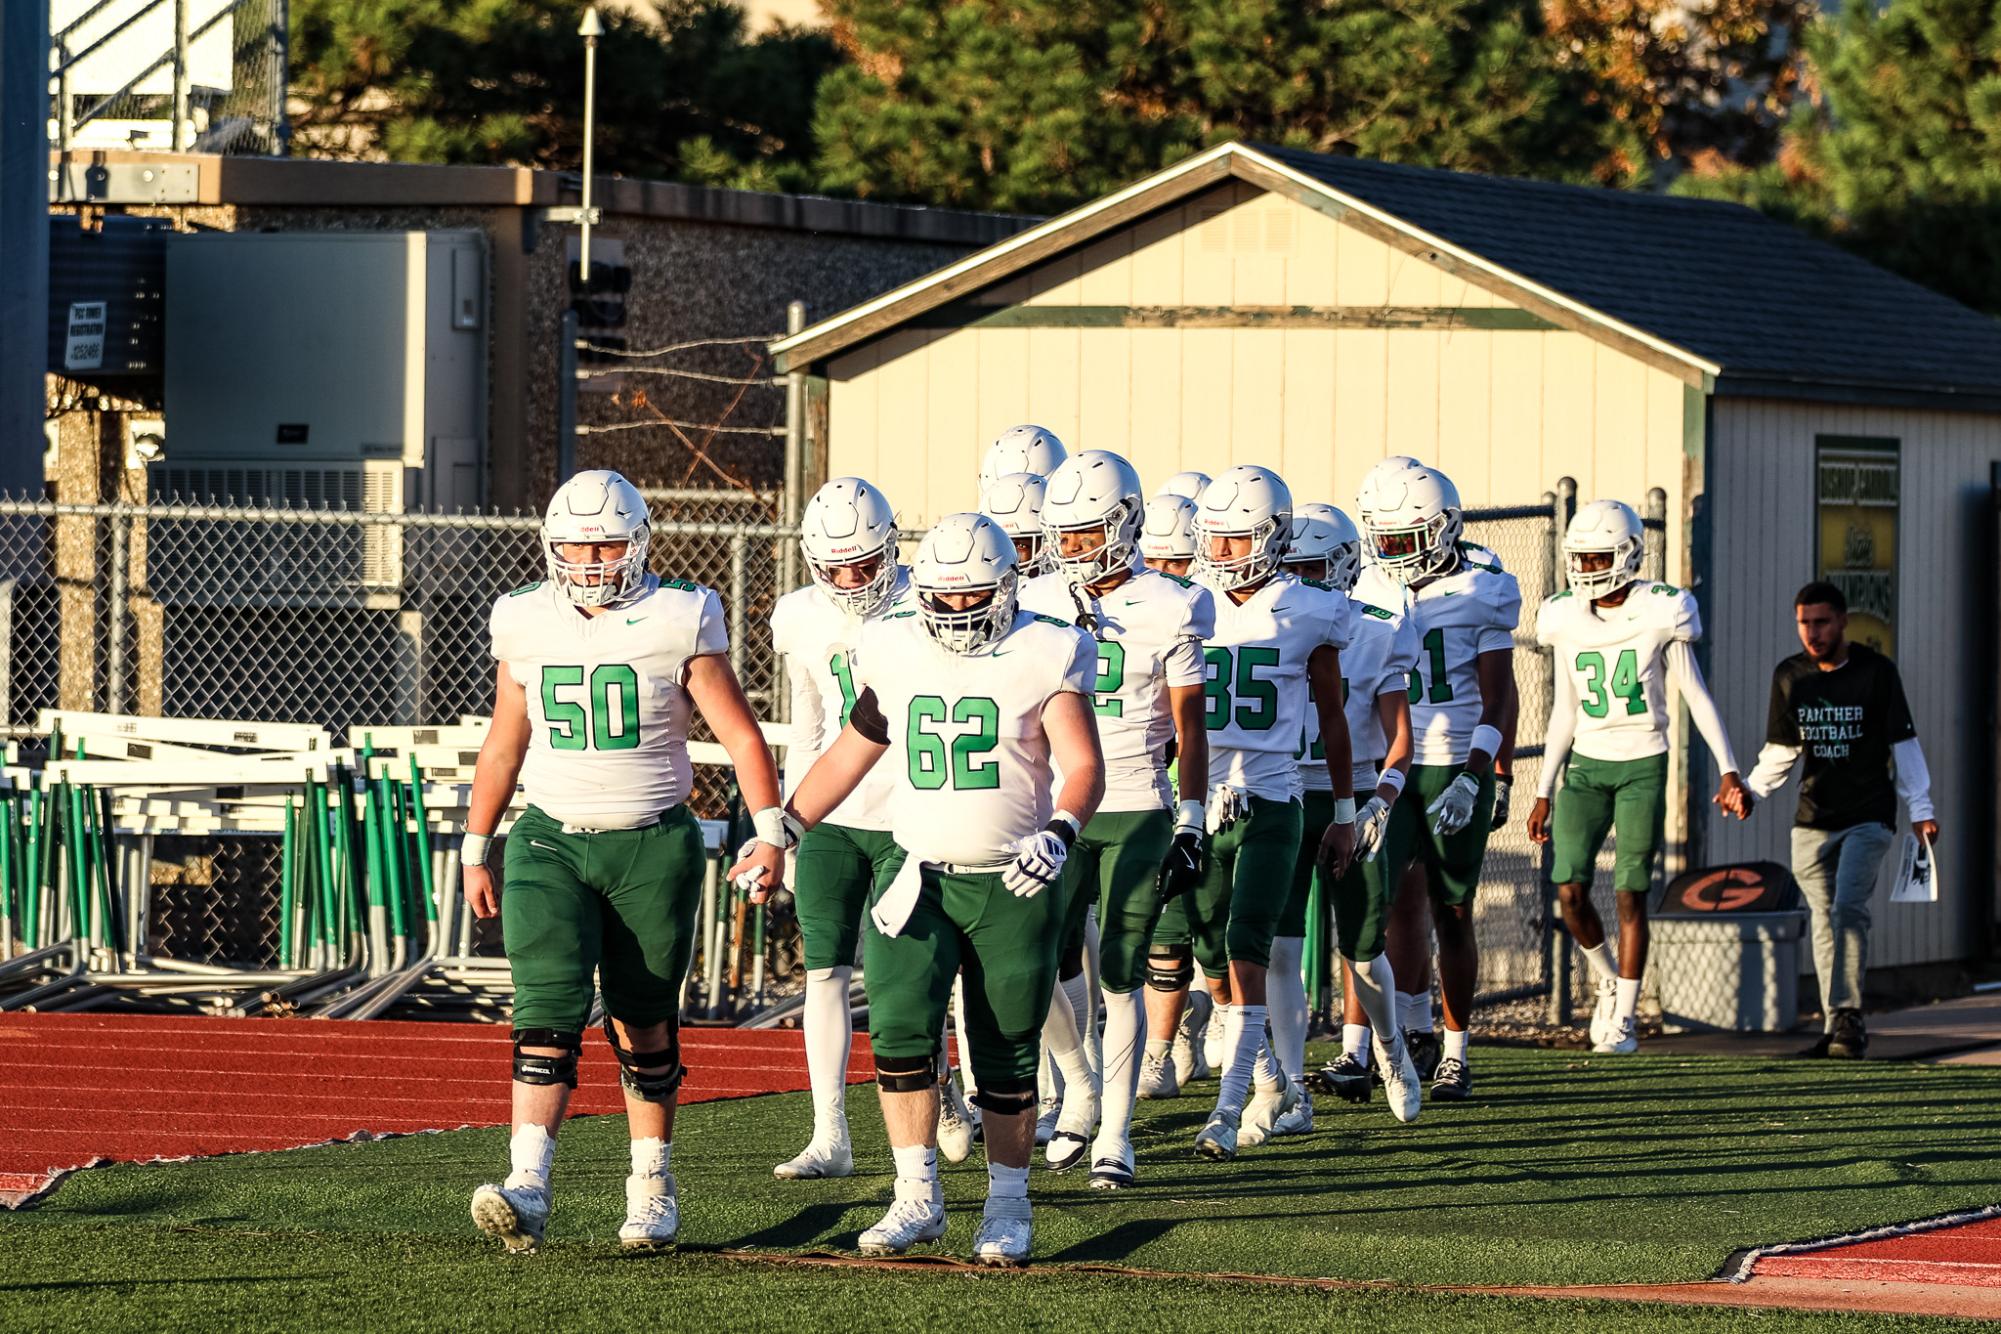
336	369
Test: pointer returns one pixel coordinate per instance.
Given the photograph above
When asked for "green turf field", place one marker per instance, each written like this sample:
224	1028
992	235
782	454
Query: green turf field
1568	1169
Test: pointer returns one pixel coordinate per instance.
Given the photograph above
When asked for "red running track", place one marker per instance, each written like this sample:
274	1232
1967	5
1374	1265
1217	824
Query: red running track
1967	1254
80	1089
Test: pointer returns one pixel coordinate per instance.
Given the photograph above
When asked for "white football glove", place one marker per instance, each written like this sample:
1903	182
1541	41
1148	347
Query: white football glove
1502	789
1038	863
1227	805
1370	823
752	880
1453	810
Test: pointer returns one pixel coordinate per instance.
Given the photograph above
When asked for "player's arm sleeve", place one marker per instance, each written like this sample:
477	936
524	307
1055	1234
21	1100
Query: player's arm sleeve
1774	767
1183	664
1561	732
1914	780
1685	676
712	633
1545	624
866	718
808	721
1504	595
1687	618
1080	673
1401	660
1201	622
504	634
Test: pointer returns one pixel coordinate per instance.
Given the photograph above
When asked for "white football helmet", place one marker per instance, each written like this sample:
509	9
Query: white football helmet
849	522
1322	532
1246	501
1095	491
1014	501
965	553
597	506
1412	518
1168	531
1022	449
1606	528
1190	484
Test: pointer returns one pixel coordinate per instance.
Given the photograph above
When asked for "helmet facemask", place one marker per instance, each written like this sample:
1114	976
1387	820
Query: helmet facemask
1407	553
973	628
1250	569
1112	554
864	599
597	583
1623	568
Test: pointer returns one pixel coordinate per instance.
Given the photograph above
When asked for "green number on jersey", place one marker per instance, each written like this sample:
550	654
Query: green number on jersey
1625	683
1441	681
929	768
604	724
845	678
1111	676
1235	671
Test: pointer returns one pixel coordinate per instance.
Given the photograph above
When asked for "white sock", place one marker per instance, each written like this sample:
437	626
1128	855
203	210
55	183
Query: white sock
830	1033
1355	1042
530	1152
1048	1079
1243	1042
1125	1034
1006	1183
1155	1047
1092	1013
1064	1042
965	1048
652	1157
1376	992
1629	998
1599	958
1285	998
1455	1045
1082	993
1414	1011
916	1172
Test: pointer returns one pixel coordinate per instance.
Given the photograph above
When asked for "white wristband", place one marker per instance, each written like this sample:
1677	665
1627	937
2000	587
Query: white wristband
1189	817
472	848
1076	825
1487	737
1344	810
1392	779
771	827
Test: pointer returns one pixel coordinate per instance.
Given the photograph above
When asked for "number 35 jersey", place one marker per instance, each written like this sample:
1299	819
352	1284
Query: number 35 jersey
1616	658
607	712
817	637
1456	617
1149	633
1256	683
968	760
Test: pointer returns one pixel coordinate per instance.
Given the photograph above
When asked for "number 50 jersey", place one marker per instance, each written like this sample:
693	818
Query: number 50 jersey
607	713
967	754
1256	691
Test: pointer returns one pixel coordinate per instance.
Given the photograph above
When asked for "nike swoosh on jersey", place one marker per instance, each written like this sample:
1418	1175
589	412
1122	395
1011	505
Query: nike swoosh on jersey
634	620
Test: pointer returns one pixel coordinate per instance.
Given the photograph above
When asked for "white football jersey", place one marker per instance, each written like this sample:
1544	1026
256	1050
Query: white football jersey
1617	659
607	713
817	636
1256	680
1380	659
969	763
1149	632
1456	618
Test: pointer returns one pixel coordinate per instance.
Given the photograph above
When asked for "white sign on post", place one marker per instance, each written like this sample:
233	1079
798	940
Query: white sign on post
85	350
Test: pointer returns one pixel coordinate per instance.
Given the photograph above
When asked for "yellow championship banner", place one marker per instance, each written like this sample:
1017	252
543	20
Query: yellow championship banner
1856	502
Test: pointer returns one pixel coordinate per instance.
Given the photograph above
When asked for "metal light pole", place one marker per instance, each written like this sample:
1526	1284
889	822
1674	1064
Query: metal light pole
590	29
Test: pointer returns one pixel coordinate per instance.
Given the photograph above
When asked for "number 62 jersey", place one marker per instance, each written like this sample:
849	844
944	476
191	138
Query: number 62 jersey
607	712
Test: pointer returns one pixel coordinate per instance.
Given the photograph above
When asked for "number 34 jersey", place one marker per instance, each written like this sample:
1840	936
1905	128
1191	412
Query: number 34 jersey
968	758
607	712
1256	684
817	637
1456	617
1617	661
1149	633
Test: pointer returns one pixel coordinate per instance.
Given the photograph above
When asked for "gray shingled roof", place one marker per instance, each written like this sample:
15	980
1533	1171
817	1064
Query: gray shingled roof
1762	299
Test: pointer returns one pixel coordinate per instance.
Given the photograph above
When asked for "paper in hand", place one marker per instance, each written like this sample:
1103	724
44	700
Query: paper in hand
1917	872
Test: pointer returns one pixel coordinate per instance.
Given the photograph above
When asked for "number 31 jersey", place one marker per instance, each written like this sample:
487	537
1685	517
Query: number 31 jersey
607	712
1256	682
1456	617
968	758
1616	658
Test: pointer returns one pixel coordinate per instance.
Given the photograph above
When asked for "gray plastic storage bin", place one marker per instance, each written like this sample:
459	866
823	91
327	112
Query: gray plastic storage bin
1736	972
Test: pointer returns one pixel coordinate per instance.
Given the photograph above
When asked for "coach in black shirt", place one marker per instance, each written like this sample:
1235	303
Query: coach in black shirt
1838	712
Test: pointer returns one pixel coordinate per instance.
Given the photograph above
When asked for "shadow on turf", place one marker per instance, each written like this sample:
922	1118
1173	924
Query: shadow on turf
810	1226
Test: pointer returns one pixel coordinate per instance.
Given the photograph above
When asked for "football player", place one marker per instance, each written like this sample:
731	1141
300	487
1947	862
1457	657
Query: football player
1623	648
1149	629
1376	667
969	702
1277	644
599	666
1463	611
1014	501
1029	449
1167	534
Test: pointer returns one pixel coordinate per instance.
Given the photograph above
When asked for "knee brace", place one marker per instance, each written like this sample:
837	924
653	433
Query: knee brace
1007	1098
546	1069
1169	970
655	1086
905	1075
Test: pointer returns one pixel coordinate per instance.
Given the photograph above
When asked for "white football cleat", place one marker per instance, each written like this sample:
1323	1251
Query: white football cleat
1045	1124
1157	1078
1191	1046
1074	1125
1112	1165
955	1127
652	1213
818	1160
1601	1015
1269	1103
517	1215
1218	1139
1402	1089
1005	1233
1619	1039
908	1222
1298	1121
